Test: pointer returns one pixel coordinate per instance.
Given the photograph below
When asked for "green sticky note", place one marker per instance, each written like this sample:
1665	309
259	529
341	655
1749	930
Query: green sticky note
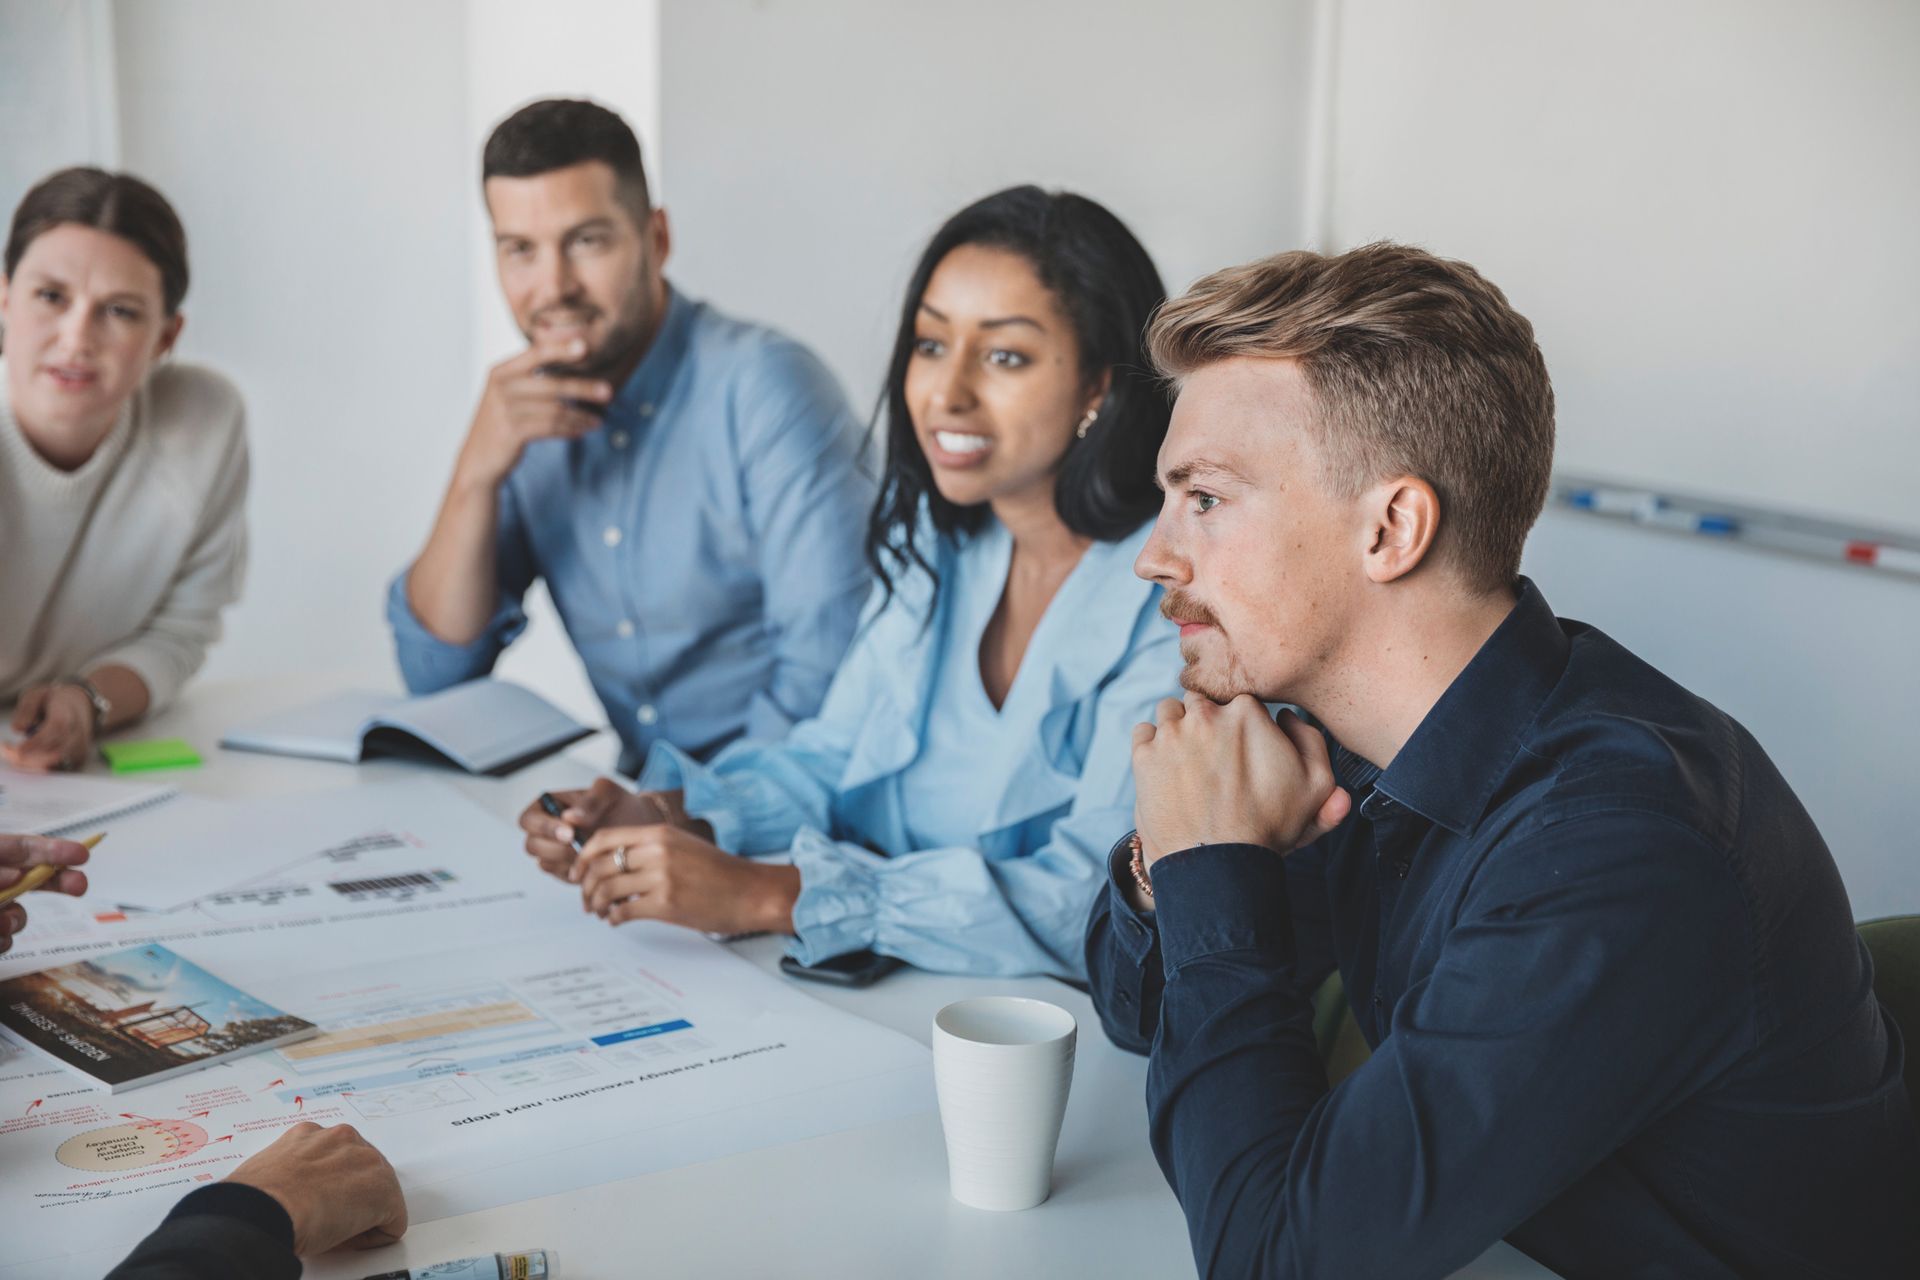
156	753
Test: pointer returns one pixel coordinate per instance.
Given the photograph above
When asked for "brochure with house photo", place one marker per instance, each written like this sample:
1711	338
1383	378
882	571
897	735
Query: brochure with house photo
140	1016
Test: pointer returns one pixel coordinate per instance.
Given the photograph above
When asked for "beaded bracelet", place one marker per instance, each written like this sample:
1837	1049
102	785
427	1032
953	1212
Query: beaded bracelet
1139	865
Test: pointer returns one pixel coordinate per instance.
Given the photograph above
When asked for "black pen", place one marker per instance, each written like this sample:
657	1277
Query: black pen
554	809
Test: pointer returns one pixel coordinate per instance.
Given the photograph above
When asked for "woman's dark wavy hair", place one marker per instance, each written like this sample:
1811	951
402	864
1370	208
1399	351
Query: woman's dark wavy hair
1108	287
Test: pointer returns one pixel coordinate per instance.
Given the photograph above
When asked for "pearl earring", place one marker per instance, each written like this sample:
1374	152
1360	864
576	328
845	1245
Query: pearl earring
1080	432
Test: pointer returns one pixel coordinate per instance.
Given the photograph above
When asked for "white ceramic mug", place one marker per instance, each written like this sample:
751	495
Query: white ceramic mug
1002	1066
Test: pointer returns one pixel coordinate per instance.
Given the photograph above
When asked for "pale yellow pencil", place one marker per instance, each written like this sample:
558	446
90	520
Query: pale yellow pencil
37	876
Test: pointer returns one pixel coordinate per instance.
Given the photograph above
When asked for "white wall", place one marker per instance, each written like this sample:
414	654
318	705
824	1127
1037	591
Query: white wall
317	158
56	91
326	160
1707	208
814	147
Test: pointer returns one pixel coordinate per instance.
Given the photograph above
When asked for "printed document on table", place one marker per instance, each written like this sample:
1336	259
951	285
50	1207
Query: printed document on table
197	862
493	1040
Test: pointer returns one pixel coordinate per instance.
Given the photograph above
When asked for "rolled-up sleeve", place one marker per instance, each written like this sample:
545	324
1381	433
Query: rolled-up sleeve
429	664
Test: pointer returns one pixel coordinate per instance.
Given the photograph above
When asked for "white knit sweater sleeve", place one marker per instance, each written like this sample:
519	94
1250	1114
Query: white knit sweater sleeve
172	643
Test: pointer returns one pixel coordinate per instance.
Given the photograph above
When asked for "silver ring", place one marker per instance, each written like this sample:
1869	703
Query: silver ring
620	859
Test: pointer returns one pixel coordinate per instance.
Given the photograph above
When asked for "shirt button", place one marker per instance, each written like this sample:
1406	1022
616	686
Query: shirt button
646	410
618	439
624	630
612	536
1400	868
646	713
1125	1000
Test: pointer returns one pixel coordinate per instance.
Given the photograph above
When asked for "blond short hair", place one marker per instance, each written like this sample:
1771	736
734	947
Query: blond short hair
1418	366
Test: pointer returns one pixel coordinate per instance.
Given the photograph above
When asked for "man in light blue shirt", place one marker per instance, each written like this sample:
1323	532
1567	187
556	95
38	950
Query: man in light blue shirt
691	487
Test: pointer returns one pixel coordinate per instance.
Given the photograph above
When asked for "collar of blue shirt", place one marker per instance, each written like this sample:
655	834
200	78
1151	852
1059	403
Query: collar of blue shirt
1449	769
653	377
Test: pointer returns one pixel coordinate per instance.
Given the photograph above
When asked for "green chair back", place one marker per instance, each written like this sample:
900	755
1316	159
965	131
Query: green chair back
1894	944
1342	1047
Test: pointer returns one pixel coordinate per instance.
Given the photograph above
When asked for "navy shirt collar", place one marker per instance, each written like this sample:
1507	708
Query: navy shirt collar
1449	769
1354	772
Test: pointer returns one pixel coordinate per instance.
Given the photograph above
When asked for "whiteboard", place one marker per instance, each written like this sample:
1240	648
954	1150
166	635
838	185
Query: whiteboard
1710	210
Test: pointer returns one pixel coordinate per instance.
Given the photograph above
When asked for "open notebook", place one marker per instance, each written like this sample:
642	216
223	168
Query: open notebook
60	804
483	726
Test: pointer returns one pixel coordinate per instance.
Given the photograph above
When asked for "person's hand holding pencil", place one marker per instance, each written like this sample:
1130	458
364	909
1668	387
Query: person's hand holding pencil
37	862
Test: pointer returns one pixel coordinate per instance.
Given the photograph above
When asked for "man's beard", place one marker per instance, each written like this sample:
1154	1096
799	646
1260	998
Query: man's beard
1177	604
620	351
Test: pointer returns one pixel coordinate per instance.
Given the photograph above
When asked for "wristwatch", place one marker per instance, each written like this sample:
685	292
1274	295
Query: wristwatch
102	705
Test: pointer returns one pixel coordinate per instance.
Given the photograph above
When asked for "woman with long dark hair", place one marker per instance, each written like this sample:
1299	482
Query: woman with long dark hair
953	803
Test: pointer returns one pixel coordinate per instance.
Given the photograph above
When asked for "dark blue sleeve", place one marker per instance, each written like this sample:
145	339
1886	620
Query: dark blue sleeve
222	1231
1314	956
1555	1025
1123	945
1123	959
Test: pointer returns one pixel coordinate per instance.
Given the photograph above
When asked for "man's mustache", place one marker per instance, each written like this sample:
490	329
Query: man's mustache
575	311
1177	606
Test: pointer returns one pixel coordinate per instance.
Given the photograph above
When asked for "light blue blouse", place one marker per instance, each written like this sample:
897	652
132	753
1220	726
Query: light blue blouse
978	843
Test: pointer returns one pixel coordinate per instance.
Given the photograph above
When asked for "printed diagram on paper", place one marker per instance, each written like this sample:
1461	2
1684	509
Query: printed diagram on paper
309	862
492	1040
390	1054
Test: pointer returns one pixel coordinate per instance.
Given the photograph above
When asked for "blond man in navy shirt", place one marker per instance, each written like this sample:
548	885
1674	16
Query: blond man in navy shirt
1618	1011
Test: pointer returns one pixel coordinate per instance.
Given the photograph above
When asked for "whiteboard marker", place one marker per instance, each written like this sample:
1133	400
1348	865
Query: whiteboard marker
1610	502
1666	515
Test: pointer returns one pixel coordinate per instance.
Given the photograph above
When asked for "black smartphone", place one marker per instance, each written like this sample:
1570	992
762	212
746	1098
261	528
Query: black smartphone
854	969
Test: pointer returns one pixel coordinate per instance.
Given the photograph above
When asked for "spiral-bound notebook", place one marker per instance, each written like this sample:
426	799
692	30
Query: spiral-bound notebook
58	804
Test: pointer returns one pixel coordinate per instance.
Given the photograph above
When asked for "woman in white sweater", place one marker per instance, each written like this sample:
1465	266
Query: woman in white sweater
123	478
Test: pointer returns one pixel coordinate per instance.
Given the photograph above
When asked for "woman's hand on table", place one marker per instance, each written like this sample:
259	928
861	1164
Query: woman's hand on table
604	804
56	724
661	872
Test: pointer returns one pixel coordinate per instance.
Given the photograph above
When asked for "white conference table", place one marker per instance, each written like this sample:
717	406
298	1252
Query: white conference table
864	1202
